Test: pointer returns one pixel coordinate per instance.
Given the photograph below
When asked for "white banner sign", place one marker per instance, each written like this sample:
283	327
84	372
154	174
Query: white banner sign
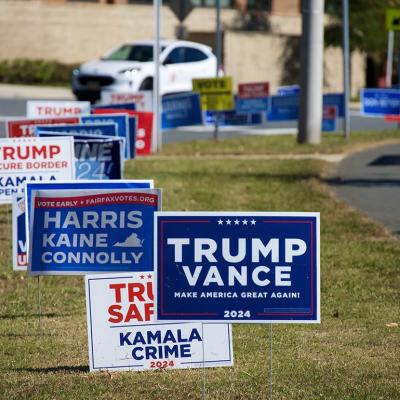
123	334
143	100
34	159
54	108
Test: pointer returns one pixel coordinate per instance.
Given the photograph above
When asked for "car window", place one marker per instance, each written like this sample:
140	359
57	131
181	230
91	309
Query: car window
127	52
193	55
176	56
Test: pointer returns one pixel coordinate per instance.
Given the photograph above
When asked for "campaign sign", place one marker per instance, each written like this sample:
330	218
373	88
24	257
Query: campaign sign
255	105
144	130
26	127
237	267
34	159
289	90
123	334
380	102
56	108
92	231
181	110
329	120
121	121
334	100
122	106
19	257
99	158
80	129
143	99
284	108
80	185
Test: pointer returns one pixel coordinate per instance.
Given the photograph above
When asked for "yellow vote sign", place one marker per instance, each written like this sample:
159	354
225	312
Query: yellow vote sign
216	93
393	19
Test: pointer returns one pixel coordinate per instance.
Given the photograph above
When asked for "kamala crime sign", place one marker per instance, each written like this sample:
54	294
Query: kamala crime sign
123	334
237	267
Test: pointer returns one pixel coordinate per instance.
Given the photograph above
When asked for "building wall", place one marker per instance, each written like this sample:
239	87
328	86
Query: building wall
76	32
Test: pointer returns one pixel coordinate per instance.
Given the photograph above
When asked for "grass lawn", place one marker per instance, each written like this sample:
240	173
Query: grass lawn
353	354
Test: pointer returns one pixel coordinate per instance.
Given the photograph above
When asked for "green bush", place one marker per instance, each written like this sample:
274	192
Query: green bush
35	72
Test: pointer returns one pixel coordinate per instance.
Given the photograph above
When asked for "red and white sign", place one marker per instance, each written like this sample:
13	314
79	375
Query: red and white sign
143	100
144	128
34	159
56	109
123	334
253	90
26	127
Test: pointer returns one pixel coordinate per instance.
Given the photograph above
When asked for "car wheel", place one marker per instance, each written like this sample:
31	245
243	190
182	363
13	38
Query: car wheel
147	84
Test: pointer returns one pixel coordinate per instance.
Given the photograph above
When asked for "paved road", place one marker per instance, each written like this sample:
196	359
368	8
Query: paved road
370	181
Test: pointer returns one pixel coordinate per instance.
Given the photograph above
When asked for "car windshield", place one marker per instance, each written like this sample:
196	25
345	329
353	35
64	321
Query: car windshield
129	52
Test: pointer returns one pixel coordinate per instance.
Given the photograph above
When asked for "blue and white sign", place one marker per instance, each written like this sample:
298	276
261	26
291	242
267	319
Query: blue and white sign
232	118
237	267
284	108
251	105
334	100
92	231
181	110
288	90
121	120
123	333
19	257
380	102
98	159
78	129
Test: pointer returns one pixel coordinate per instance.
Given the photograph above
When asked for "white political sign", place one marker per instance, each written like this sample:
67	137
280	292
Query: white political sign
34	159
56	108
123	334
143	99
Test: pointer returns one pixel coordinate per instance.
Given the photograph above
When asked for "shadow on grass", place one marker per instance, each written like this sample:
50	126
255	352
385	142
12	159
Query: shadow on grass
55	370
359	182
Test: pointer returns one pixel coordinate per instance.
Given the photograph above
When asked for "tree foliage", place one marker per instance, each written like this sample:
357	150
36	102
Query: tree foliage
367	25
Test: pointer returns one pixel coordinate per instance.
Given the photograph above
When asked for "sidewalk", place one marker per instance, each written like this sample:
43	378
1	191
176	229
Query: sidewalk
35	92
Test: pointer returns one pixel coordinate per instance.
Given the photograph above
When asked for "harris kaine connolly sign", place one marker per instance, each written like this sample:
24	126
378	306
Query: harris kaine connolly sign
238	267
91	231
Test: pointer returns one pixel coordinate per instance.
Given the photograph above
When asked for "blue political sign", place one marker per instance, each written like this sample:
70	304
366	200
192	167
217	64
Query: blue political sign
283	108
334	100
251	105
119	106
92	231
19	234
232	118
132	122
99	158
329	125
380	102
288	90
79	129
181	110
237	267
121	120
80	185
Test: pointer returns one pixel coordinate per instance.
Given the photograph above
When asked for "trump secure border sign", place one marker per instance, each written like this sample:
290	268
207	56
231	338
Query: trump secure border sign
237	267
123	334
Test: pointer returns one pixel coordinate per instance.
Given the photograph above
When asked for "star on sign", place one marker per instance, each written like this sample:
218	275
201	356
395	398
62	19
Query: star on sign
228	221
253	221
236	222
220	222
244	222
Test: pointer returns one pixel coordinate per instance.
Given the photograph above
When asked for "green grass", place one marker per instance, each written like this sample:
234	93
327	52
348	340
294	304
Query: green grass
352	354
286	144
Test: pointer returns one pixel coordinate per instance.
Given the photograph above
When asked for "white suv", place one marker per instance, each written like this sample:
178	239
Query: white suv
130	68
